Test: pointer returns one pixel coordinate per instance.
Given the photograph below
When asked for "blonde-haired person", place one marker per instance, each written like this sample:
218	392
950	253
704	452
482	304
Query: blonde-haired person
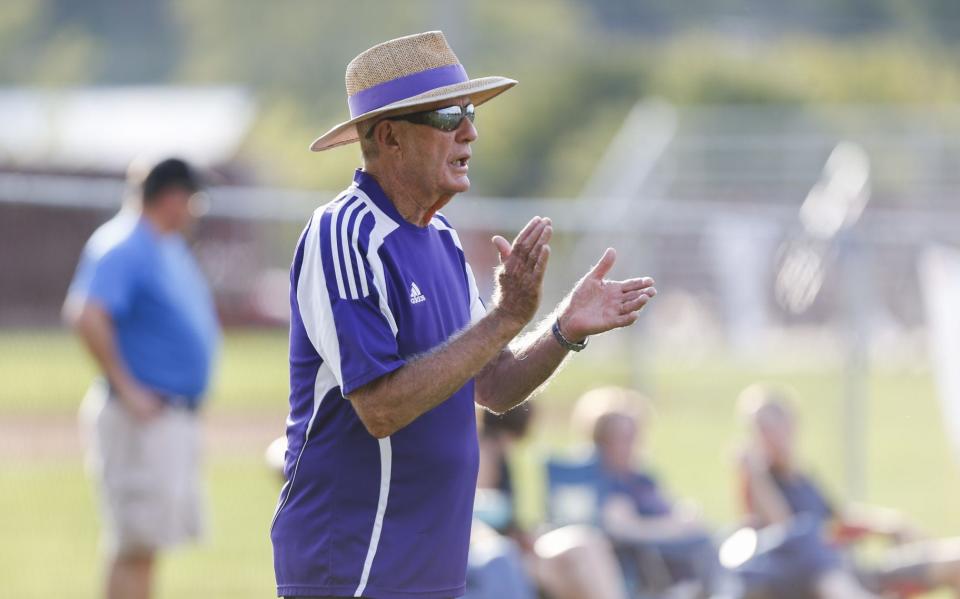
569	562
777	491
633	509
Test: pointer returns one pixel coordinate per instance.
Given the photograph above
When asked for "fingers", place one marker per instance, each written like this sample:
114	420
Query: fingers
635	304
541	266
526	244
632	295
524	235
545	233
603	267
636	284
503	247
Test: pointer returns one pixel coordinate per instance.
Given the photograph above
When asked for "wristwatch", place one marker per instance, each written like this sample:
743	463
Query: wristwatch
566	343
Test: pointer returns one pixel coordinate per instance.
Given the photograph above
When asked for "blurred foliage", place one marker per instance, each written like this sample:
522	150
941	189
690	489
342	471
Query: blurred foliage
582	64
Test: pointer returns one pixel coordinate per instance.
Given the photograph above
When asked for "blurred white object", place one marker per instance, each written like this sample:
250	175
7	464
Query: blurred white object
738	548
939	269
104	128
838	199
275	455
834	203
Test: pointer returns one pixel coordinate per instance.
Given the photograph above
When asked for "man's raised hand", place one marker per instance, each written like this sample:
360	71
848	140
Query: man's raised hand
597	305
519	278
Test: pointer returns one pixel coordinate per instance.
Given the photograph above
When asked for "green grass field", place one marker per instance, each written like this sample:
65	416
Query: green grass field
48	530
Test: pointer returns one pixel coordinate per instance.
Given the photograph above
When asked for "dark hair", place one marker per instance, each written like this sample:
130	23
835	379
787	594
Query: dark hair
171	172
515	422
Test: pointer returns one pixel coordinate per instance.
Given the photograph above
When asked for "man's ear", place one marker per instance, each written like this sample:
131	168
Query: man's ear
387	135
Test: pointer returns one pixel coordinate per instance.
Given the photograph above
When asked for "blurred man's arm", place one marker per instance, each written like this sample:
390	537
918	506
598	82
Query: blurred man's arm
857	519
766	503
595	305
95	328
626	524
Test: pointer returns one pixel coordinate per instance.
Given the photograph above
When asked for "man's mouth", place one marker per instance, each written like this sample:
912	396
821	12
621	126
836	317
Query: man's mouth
460	162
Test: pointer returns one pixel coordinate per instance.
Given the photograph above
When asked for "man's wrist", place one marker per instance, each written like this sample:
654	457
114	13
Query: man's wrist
563	325
564	342
509	325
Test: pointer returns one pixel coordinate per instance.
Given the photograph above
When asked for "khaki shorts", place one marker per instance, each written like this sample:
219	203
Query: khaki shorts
148	474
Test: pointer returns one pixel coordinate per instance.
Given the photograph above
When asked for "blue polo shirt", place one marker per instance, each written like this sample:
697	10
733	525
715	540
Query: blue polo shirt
359	516
162	311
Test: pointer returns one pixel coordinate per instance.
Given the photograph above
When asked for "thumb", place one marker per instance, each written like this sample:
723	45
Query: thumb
503	247
603	267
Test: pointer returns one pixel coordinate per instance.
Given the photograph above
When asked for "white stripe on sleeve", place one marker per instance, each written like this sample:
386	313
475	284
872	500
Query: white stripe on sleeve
383	226
334	247
314	299
355	245
345	248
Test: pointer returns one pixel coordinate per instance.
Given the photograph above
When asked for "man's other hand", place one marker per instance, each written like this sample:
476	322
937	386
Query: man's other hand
597	305
519	278
141	403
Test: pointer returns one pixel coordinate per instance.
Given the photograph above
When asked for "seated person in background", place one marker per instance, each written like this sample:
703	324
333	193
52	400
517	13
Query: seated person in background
633	510
572	562
776	491
495	566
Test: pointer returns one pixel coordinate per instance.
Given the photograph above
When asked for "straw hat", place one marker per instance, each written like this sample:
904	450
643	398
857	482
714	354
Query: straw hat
402	73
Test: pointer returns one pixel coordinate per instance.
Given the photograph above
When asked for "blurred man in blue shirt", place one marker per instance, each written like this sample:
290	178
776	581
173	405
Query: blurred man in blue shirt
142	308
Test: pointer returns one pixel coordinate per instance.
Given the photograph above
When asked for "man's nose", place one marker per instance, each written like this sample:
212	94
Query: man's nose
467	132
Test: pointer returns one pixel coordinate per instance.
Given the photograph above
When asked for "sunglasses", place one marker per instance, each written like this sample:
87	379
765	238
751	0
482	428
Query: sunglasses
444	119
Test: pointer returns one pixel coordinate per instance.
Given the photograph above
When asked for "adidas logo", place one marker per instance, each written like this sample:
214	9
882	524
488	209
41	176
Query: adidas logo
416	296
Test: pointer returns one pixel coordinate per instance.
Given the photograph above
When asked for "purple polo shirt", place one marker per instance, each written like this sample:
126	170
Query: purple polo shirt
359	516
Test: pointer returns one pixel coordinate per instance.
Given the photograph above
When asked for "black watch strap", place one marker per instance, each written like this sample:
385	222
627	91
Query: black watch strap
566	343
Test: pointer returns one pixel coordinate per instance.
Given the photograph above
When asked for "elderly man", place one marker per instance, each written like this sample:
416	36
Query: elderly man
142	308
391	346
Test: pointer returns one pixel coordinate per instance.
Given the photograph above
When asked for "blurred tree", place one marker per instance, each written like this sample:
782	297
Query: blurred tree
582	64
141	36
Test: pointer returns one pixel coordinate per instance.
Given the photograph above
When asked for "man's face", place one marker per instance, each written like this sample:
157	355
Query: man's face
776	436
619	436
176	202
439	159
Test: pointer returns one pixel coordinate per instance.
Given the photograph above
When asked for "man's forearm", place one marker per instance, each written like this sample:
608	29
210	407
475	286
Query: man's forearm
768	502
517	373
394	400
95	328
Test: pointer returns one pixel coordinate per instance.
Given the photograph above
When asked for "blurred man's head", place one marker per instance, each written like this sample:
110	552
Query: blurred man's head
615	418
768	412
168	193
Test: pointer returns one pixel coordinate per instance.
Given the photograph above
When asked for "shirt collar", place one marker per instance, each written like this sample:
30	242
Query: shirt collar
369	185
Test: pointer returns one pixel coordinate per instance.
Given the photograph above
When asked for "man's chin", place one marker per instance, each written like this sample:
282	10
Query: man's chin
458	185
461	184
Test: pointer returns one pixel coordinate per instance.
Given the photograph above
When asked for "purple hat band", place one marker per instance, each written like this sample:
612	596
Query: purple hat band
401	88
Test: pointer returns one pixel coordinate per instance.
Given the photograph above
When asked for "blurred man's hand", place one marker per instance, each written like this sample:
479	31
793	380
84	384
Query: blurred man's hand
141	403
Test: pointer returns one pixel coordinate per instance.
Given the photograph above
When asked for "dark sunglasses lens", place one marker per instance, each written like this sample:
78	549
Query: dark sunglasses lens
448	119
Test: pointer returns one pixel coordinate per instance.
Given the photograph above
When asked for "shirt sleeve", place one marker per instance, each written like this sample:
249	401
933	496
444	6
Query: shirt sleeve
108	279
477	309
342	298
